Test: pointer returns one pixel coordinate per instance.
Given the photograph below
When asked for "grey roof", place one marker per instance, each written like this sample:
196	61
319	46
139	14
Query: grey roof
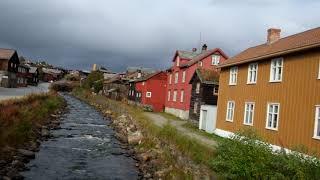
187	54
33	69
142	69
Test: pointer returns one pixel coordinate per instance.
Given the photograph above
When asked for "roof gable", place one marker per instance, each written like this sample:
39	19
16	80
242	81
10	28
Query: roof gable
297	42
204	55
206	76
6	53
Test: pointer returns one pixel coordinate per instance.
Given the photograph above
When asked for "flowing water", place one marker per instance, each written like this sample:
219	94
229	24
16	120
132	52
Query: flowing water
85	148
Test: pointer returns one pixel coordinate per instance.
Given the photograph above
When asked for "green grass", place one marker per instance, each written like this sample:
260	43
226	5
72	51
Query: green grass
195	129
170	116
19	118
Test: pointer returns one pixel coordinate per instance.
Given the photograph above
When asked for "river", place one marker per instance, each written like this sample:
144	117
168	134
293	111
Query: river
84	148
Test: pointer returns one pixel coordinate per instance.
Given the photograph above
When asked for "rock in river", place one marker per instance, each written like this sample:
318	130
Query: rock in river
26	153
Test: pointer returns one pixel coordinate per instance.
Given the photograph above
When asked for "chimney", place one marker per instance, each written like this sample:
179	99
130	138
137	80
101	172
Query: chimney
204	48
194	49
273	35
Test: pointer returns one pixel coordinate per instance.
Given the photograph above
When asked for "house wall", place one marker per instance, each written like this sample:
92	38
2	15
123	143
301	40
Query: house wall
298	93
177	108
157	86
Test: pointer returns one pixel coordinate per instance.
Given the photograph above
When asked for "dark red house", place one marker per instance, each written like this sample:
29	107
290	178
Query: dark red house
152	90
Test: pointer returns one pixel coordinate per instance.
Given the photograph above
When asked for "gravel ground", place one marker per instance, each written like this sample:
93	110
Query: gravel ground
9	93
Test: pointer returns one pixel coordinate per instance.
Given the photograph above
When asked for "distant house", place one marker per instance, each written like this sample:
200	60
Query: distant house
33	76
9	62
116	88
150	90
274	88
184	64
23	75
205	87
49	74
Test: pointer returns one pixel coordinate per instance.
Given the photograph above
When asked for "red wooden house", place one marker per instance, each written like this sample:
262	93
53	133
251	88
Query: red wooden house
184	65
152	90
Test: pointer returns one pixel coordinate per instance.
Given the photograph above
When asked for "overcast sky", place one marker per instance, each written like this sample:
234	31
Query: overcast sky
120	33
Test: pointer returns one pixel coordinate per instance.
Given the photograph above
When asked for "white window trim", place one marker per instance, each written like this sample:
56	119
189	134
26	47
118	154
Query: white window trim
319	70
316	122
200	63
214	61
148	94
169	94
234	106
182	96
170	78
178	61
143	83
214	92
248	76
198	86
174	98
271	128
244	117
176	77
270	78
184	76
236	76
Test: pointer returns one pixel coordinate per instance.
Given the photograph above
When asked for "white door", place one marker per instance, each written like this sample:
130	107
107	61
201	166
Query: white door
204	120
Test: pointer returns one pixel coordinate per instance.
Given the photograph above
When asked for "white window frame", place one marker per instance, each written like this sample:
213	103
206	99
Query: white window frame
215	59
319	70
170	78
174	96
143	83
182	96
200	63
176	77
274	70
230	109
247	112
316	123
184	76
169	95
178	61
278	116
198	88
148	94
233	76
252	73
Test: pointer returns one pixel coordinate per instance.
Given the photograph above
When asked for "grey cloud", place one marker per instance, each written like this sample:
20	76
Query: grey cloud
116	34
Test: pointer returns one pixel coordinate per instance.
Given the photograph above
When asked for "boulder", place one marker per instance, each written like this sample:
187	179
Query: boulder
135	137
121	137
26	153
45	132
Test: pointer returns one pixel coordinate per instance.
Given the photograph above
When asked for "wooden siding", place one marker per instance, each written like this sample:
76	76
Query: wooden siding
298	93
205	96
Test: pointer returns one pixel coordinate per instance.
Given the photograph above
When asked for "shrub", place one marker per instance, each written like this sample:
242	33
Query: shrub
62	86
97	86
246	156
93	77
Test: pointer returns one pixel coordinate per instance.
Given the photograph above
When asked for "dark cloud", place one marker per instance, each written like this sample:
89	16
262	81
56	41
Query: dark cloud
117	34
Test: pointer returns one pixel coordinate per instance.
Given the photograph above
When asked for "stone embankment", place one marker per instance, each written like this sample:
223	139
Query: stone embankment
16	159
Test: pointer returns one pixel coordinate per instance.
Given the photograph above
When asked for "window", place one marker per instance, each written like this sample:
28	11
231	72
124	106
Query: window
137	95
276	70
169	94
148	94
233	76
252	73
317	123
319	70
184	76
182	96
200	63
215	90
170	78
248	113
143	83
197	88
230	111
174	96
273	116
178	61
176	78
195	108
215	59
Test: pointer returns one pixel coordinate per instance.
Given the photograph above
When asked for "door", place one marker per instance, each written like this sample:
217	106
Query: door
204	120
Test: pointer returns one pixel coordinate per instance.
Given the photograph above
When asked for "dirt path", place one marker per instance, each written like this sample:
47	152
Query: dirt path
159	120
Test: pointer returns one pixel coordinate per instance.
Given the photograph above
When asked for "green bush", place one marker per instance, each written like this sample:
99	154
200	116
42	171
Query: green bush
97	86
246	156
92	78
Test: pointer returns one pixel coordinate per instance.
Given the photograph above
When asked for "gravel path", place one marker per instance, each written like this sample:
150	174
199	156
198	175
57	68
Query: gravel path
160	121
9	93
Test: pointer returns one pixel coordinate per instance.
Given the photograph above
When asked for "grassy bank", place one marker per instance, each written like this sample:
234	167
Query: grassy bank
168	135
19	119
